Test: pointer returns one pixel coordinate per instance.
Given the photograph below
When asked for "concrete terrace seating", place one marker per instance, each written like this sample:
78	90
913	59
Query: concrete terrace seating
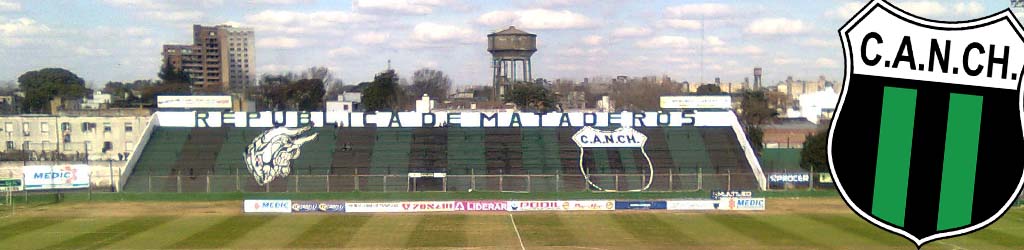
195	153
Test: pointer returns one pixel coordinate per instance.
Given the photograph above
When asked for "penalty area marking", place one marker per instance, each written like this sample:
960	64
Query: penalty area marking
517	231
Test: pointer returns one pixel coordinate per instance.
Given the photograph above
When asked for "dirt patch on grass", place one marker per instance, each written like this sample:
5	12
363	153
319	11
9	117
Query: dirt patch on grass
130	209
806	205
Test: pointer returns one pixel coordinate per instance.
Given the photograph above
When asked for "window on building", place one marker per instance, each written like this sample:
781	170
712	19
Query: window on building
67	138
129	146
88	127
10	145
108	146
106	127
25	129
44	127
128	127
25	146
65	126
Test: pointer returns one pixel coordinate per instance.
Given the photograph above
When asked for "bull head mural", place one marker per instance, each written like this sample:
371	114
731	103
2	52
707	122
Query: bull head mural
271	153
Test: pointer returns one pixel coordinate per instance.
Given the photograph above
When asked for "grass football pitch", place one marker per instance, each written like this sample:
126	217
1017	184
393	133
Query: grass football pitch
789	223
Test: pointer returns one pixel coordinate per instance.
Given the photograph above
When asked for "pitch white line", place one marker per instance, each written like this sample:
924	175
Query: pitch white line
517	231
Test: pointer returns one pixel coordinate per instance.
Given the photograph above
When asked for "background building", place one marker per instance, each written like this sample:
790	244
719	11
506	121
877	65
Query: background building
220	56
45	137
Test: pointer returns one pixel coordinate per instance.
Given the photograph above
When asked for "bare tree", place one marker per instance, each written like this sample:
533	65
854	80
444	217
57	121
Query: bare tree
334	90
638	95
431	82
332	84
319	72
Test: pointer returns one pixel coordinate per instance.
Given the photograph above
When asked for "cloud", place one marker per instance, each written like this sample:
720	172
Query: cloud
713	41
172	16
742	50
83	51
565	67
696	11
579	52
409	7
293	22
162	10
923	8
21	27
826	63
786	60
278	42
969	9
281	2
9	6
817	42
593	40
430	64
562	3
141	4
279	68
777	26
687	24
540	19
627	32
677	42
846	10
433	33
342	52
370	38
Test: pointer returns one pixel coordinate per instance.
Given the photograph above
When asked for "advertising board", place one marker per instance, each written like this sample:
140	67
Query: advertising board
799	178
588	205
194	101
690	204
267	206
718	194
481	206
318	207
824	178
741	204
428	206
10	184
373	207
534	206
56	177
696	102
639	205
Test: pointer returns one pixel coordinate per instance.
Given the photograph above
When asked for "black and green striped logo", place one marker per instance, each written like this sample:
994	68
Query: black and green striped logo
959	158
927	139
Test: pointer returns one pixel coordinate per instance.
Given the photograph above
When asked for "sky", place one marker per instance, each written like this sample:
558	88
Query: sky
120	40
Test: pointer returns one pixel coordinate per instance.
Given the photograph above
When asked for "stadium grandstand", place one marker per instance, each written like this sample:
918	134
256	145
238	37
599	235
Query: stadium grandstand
176	156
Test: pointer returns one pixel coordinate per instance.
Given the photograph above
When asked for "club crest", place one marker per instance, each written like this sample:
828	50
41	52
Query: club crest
926	137
270	154
591	138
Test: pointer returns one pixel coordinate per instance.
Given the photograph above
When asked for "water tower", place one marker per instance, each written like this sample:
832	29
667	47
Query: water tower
511	50
757	78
